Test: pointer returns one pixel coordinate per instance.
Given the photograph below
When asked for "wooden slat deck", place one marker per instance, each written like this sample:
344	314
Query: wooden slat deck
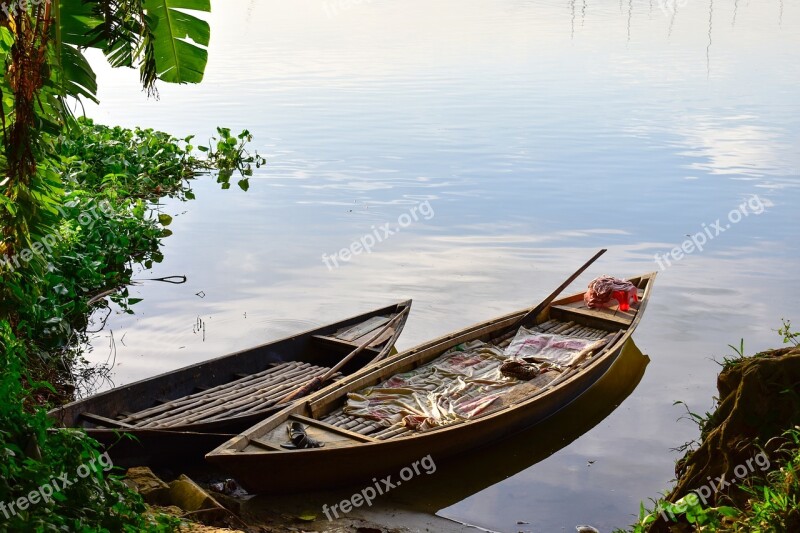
248	393
239	397
375	430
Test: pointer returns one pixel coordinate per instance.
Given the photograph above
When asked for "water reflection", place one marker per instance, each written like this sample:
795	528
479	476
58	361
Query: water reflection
708	48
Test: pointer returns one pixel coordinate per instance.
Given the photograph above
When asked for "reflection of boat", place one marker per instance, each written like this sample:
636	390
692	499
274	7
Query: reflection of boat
357	449
187	412
471	472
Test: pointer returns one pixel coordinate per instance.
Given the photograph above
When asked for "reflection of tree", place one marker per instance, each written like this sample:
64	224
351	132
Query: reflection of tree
630	14
572	19
708	48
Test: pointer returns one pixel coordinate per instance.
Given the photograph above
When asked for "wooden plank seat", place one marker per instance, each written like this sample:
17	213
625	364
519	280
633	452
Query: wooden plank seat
354	336
343	346
607	318
350	338
334	436
353	333
604	318
331	428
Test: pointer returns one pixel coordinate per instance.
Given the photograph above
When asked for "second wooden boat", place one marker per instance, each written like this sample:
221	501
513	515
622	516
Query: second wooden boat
367	426
187	412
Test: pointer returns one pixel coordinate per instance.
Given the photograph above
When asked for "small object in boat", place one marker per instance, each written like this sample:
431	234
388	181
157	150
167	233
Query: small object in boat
606	288
543	364
522	370
587	529
227	487
299	439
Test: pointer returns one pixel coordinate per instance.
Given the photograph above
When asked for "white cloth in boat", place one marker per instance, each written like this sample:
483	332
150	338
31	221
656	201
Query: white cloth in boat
461	384
555	348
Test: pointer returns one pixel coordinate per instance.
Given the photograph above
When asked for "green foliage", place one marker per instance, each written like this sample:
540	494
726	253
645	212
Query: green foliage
102	228
789	336
120	162
76	213
34	454
160	37
704	422
107	222
177	59
41	53
736	358
228	154
93	250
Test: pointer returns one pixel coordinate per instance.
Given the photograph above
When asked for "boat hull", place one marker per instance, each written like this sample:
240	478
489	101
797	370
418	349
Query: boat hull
360	464
188	442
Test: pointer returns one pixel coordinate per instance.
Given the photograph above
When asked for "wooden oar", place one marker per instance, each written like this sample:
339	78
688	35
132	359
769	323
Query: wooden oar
317	382
539	308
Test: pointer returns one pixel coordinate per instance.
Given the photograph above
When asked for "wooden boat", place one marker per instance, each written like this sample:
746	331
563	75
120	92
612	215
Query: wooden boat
469	473
357	449
187	412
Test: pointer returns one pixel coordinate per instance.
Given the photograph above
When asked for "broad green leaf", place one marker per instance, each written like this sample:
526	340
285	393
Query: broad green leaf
77	20
725	510
79	78
179	39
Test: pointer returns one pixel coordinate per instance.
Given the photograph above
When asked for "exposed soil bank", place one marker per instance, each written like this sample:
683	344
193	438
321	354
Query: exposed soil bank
743	441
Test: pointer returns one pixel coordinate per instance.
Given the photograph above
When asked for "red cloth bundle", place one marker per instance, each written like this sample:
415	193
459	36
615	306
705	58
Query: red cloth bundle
606	288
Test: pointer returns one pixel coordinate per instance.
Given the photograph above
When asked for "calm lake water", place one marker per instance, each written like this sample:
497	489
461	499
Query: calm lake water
537	132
